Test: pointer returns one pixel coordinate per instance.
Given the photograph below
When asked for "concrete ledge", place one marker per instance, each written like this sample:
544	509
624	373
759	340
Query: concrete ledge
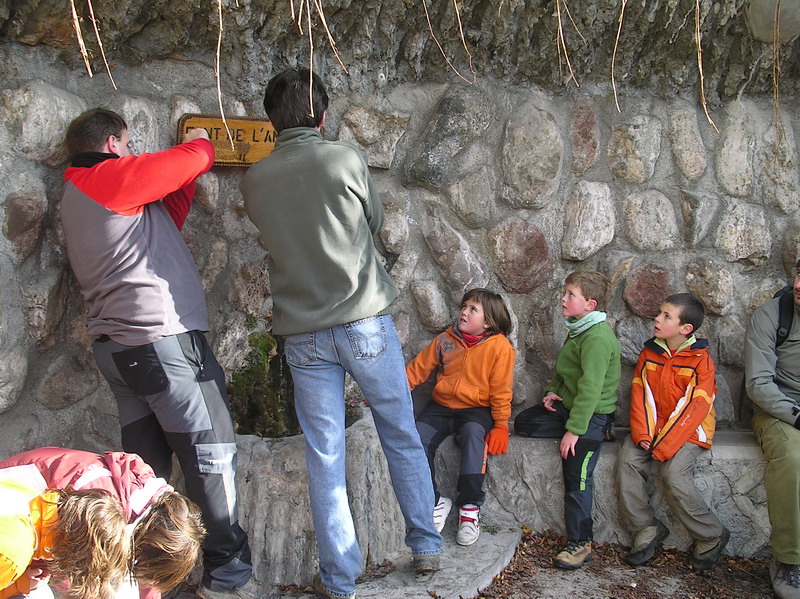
525	486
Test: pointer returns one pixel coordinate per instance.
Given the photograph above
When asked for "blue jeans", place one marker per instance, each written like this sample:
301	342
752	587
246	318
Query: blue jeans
370	352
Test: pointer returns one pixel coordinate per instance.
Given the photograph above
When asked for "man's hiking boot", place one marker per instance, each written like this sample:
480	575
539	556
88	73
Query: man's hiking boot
440	513
425	563
574	555
321	591
646	542
250	590
705	557
785	579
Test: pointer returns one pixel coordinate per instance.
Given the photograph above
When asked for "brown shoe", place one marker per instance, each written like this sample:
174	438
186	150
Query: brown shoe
426	563
321	591
574	555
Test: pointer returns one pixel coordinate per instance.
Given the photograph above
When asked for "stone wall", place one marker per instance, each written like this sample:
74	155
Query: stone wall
511	187
512	182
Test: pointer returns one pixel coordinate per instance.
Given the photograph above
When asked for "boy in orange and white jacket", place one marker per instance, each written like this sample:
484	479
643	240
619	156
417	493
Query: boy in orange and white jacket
471	399
672	422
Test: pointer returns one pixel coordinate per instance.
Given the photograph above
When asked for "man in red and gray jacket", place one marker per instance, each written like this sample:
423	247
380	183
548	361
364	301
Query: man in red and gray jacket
122	216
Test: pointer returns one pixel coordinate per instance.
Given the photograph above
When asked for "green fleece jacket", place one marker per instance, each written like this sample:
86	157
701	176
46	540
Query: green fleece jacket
317	209
587	375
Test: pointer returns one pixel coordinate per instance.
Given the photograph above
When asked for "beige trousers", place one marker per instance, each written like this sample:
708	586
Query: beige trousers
635	467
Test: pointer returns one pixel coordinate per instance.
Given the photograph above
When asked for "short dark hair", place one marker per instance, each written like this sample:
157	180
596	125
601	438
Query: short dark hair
494	309
89	131
593	285
287	101
690	309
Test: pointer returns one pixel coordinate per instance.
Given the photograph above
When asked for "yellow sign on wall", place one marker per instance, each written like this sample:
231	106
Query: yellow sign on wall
253	138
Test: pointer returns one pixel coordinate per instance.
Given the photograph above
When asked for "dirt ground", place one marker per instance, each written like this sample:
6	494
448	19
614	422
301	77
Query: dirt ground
531	574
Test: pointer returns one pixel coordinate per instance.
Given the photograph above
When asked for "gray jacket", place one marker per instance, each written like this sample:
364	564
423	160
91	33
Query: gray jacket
772	376
317	209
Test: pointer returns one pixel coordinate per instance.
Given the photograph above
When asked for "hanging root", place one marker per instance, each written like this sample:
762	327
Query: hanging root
614	55
436	40
100	43
776	73
217	75
76	24
700	64
561	44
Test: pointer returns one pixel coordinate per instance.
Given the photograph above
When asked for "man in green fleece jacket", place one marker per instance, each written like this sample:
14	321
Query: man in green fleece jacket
579	405
317	209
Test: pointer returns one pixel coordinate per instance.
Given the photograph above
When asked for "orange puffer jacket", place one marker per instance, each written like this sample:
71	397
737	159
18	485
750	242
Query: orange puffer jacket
672	398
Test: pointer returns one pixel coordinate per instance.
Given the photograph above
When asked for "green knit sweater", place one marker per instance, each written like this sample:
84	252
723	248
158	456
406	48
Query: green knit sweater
317	209
587	375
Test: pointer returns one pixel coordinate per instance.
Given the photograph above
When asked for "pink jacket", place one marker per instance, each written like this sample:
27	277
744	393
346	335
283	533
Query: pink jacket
123	475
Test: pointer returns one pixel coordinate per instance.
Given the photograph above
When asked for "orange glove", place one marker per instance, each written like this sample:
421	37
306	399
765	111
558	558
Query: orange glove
497	440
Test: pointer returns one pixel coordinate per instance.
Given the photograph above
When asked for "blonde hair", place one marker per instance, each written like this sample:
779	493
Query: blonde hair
166	541
92	550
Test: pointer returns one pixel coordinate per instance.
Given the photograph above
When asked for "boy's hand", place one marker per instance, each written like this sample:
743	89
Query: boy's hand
646	445
568	442
549	399
497	440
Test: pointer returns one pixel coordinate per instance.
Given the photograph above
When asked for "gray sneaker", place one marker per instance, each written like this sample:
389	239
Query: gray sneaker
785	579
248	591
642	552
710	558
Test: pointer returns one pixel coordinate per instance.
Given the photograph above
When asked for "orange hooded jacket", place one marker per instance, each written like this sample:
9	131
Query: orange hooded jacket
672	398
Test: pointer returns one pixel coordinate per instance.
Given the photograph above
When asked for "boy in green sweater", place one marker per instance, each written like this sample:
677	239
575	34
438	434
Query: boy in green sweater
579	405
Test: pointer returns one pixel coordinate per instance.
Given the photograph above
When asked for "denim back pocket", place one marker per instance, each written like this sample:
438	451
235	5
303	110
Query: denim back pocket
141	369
367	337
300	349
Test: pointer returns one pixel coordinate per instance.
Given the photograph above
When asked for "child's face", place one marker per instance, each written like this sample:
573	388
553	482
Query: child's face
668	324
471	319
573	304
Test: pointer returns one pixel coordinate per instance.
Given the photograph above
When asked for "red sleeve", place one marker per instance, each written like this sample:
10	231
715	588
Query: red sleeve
178	203
125	185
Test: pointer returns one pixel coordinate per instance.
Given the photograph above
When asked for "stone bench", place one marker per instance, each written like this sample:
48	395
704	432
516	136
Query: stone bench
524	487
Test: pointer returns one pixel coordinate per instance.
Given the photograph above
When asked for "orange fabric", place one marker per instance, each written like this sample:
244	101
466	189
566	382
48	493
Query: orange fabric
672	399
24	537
468	377
497	440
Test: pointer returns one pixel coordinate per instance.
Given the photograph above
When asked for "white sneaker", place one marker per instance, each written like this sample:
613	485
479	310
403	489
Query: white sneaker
469	524
440	513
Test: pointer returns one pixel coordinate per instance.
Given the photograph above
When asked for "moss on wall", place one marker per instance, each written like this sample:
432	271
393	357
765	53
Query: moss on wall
261	391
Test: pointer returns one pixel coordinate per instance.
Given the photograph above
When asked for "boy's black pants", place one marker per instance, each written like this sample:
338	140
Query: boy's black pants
578	469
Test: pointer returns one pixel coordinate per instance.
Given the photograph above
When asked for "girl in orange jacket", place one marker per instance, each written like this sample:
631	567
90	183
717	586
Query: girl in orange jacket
471	399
